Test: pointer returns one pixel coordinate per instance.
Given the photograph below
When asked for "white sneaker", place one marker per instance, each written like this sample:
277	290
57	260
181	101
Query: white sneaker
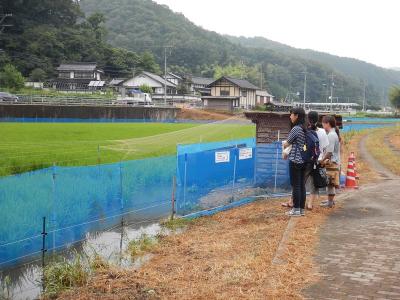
294	212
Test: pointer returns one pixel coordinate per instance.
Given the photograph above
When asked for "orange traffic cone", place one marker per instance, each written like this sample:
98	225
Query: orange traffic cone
351	175
352	156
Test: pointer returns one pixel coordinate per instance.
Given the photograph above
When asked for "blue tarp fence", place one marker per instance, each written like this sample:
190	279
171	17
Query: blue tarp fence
216	174
79	200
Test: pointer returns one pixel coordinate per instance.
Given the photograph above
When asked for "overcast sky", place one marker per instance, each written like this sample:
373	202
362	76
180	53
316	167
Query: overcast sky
368	30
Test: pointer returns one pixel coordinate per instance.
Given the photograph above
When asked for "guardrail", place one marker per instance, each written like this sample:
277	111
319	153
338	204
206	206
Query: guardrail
91	101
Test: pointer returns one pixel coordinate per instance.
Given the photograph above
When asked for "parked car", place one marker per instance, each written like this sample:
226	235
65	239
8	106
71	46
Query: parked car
7	97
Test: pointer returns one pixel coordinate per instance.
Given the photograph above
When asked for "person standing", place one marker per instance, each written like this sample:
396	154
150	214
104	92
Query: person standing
297	139
313	118
331	159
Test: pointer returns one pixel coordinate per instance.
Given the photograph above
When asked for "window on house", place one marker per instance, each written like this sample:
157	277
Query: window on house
244	93
64	75
225	91
84	75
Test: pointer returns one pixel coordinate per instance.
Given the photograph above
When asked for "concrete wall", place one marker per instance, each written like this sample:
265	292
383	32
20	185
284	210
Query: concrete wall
219	104
87	112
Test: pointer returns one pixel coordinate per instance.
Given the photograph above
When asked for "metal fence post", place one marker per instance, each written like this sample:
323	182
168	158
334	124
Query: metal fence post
121	240
235	150
184	181
44	250
255	162
173	197
53	221
120	186
276	161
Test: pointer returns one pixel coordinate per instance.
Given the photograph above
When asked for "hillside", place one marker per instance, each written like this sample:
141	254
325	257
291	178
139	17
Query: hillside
43	36
140	25
380	77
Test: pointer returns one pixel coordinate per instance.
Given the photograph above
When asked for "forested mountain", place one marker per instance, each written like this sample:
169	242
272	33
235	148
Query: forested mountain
45	33
140	25
380	77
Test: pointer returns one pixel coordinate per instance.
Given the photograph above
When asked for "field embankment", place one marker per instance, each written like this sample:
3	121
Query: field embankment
384	145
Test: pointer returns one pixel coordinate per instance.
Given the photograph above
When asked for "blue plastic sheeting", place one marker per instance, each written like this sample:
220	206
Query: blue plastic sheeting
78	200
223	175
373	120
357	127
194	148
271	170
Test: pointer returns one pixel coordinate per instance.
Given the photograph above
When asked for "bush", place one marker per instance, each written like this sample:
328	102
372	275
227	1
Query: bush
11	78
146	89
37	75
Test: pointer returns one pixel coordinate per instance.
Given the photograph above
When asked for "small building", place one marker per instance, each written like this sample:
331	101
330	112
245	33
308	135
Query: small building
200	85
154	81
79	77
263	97
278	106
175	79
228	87
220	103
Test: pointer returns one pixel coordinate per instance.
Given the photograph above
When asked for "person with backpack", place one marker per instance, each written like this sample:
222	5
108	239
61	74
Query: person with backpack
297	139
315	163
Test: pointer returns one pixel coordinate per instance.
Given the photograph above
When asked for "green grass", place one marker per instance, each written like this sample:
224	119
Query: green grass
177	223
30	146
144	244
63	275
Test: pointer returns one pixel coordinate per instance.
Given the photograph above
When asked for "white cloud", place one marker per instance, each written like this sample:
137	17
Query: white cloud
367	30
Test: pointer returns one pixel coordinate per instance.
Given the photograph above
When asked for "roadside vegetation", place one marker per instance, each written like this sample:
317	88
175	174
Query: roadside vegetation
176	223
144	244
351	141
230	254
384	146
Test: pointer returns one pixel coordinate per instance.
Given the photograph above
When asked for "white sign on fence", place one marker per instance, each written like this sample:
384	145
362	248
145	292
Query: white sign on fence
245	153
222	156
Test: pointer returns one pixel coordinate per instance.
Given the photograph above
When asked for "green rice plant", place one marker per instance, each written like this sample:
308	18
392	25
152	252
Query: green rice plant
144	244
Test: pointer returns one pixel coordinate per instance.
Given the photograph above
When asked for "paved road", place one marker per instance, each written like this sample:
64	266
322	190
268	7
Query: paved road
359	255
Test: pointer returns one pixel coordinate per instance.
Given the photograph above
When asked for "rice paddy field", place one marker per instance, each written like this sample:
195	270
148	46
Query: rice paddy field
29	146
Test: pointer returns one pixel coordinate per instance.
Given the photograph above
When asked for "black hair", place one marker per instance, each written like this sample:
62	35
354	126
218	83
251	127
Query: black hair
313	119
301	117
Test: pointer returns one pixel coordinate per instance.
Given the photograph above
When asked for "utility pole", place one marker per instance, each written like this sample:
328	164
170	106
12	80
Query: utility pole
305	88
165	73
364	95
332	85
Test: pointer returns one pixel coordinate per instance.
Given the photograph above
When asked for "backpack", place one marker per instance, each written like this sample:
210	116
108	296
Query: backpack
310	151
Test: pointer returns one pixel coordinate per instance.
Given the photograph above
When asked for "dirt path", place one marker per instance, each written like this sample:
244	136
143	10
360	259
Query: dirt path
360	243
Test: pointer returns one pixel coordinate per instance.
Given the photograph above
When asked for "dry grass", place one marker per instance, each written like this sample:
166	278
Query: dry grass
226	256
351	142
394	138
381	150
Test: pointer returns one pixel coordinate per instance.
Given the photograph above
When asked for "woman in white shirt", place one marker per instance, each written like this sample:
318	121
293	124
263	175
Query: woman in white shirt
313	118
